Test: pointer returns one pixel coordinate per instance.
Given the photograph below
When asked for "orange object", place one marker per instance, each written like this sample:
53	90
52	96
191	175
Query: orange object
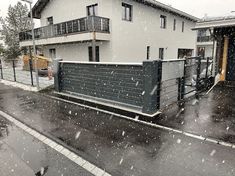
42	62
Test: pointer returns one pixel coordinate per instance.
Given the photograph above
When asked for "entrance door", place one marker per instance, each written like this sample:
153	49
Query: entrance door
231	61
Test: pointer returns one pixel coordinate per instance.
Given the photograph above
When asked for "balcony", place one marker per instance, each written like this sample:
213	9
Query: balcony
67	31
202	39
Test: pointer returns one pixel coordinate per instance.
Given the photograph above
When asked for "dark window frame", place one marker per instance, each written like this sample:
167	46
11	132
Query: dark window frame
52	52
161	53
127	12
50	20
183	26
97	51
148	52
174	25
163	21
92	10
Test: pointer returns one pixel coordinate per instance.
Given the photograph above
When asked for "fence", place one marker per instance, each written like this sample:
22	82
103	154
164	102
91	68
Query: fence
172	83
198	74
12	70
142	88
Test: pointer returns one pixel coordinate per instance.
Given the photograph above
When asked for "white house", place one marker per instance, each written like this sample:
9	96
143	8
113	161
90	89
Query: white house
222	32
204	43
112	30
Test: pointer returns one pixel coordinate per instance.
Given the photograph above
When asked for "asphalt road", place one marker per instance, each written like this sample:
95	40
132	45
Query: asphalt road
117	145
23	155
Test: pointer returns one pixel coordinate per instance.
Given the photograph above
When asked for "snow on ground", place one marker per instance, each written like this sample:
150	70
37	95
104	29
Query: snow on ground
18	85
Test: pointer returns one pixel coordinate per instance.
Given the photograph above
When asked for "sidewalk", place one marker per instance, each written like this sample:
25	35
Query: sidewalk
211	115
22	154
119	146
24	77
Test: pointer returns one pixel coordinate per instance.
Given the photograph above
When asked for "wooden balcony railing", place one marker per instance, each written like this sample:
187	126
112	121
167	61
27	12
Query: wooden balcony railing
86	24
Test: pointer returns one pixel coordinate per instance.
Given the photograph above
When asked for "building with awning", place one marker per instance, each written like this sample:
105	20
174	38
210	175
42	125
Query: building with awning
222	31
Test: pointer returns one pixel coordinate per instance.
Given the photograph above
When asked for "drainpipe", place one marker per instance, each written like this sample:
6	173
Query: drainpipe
93	40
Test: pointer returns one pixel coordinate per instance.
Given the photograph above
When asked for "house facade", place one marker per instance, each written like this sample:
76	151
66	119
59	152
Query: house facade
204	43
111	30
222	31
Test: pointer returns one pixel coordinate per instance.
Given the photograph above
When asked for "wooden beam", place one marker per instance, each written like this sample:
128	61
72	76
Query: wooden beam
225	59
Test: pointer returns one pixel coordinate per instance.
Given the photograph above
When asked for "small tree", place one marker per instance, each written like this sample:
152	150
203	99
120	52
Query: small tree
15	22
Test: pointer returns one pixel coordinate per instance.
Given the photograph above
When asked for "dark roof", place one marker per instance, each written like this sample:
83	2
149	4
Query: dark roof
40	5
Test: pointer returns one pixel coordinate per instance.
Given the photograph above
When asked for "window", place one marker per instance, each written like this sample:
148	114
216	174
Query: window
174	25
183	26
184	53
161	53
163	22
126	12
92	10
97	54
148	52
202	33
52	53
201	51
50	20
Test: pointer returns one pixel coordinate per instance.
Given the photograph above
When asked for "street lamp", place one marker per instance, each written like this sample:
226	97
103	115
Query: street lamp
33	38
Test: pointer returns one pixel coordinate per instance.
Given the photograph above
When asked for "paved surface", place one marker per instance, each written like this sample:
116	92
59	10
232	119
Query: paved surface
117	145
25	78
212	115
23	155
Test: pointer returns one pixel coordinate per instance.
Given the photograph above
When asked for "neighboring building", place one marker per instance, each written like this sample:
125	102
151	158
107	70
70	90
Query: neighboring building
222	30
112	30
204	43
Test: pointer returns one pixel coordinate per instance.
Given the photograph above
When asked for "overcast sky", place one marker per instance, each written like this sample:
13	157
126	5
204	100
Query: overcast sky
197	8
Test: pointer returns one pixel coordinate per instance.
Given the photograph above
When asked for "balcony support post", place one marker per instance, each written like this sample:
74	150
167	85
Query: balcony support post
94	47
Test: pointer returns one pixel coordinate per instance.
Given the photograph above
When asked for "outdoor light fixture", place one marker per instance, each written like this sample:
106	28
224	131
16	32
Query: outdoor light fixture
33	38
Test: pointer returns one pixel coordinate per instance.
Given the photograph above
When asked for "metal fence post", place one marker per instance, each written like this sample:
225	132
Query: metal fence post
57	74
207	67
181	88
1	69
152	86
14	71
31	65
198	73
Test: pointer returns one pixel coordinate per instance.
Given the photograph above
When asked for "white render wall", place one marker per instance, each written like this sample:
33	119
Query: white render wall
78	51
62	10
128	40
208	50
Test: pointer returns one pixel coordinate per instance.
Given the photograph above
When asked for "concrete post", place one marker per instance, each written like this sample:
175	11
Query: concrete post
152	86
57	74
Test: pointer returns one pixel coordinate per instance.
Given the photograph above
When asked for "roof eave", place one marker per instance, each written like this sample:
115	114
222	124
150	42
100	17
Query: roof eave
214	24
38	7
163	7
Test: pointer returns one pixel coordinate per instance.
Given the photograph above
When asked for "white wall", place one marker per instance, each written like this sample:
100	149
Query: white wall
62	10
129	40
77	51
208	51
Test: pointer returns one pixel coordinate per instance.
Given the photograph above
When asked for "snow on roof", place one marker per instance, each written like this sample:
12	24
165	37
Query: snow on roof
217	18
215	22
